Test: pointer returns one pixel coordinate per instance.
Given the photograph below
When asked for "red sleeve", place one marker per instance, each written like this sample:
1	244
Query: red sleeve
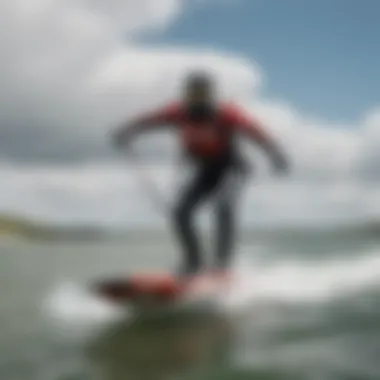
248	125
168	114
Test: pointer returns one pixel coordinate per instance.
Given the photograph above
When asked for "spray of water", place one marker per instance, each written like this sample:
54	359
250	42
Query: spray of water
252	287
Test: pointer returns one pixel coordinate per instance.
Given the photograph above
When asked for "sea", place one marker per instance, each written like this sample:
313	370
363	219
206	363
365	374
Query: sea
305	305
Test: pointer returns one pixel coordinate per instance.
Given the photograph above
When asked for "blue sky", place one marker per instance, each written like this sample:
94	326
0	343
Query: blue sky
321	56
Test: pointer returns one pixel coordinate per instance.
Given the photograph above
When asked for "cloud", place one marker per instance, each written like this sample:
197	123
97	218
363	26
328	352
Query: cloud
117	195
368	162
71	70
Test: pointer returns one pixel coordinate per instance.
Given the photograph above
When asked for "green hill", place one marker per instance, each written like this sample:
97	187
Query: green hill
12	225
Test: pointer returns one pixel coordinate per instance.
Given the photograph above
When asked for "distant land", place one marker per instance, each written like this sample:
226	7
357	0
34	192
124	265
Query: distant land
28	228
19	226
24	227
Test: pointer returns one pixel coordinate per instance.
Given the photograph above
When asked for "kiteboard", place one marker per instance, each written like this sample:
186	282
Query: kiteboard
154	291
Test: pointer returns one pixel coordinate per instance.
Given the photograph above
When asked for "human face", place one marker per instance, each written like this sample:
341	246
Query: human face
198	94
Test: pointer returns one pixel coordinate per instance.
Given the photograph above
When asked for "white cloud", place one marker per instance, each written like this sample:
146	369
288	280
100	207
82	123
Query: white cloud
130	16
69	73
110	194
71	69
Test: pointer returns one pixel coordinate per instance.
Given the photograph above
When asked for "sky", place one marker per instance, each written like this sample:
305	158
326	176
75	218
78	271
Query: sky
70	71
321	56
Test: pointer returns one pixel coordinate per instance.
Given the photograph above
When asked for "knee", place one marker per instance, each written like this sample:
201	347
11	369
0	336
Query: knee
225	212
182	215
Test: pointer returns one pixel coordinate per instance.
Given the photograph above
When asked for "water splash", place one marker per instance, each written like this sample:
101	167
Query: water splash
73	312
300	282
277	283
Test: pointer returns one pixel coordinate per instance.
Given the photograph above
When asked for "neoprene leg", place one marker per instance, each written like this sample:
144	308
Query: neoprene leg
183	224
225	234
226	221
199	189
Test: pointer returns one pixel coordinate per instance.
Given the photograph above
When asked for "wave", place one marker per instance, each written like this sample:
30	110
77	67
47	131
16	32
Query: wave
31	228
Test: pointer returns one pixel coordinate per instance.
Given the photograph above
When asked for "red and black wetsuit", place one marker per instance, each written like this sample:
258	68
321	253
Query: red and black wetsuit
209	139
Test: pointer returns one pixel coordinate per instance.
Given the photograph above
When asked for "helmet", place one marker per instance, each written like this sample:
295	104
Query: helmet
199	80
199	96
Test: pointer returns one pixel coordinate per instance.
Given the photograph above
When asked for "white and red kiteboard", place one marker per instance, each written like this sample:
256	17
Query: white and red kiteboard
161	288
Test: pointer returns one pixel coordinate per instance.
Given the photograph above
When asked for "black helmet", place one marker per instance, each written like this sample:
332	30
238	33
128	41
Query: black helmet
199	81
199	88
200	96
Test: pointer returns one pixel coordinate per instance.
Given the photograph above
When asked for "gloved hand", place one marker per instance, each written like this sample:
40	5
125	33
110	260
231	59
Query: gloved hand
119	138
281	165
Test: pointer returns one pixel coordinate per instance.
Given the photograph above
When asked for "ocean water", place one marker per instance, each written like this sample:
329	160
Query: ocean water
305	306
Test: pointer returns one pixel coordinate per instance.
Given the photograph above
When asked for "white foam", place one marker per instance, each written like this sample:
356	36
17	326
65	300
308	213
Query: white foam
279	282
295	281
73	311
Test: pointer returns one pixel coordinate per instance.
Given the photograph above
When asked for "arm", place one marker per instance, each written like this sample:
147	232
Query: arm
126	132
254	130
